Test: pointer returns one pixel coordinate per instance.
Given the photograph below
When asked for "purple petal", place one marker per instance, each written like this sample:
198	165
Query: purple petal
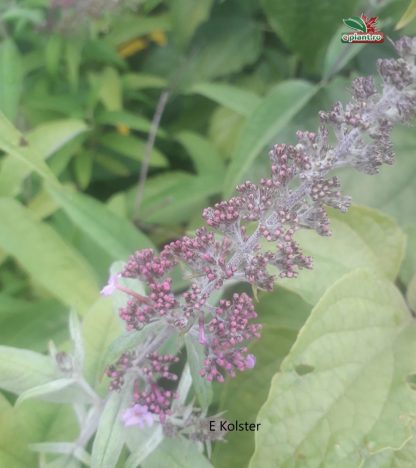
111	286
250	361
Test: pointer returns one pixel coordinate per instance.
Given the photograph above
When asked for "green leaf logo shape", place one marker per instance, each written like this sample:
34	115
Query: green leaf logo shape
355	22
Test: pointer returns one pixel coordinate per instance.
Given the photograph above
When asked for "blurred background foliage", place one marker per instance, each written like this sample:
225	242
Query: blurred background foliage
81	82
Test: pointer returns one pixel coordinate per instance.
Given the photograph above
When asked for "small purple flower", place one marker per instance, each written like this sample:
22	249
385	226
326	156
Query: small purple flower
250	361
137	415
111	286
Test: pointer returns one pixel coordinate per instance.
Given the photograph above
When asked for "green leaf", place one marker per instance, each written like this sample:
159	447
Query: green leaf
127	342
408	15
166	199
115	234
44	390
316	20
272	114
225	129
142	443
64	460
21	369
109	439
282	315
408	268
237	99
30	324
100	328
204	155
393	189
338	55
83	164
411	294
13	444
43	421
53	53
76	339
224	46
135	81
132	121
355	22
177	453
361	238
342	391
131	26
110	91
391	458
11	78
27	14
42	142
72	56
14	143
195	357
186	16
46	257
133	148
71	449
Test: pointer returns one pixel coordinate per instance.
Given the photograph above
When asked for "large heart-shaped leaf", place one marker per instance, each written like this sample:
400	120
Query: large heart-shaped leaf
342	393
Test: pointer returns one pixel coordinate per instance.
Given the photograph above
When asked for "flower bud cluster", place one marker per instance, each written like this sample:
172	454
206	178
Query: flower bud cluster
149	397
224	335
252	236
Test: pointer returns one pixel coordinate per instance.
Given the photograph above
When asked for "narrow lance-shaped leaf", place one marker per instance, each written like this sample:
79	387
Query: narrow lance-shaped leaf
21	369
109	439
43	390
116	235
237	99
142	443
100	328
11	75
408	15
64	273
271	115
39	144
127	342
76	337
13	142
195	354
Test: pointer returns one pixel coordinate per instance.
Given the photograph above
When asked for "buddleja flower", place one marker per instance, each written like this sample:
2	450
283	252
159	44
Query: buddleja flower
252	234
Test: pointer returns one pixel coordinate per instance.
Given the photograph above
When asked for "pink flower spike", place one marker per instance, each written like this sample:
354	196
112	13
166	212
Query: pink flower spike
111	286
137	415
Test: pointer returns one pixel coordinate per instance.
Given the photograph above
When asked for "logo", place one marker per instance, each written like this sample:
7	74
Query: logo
364	30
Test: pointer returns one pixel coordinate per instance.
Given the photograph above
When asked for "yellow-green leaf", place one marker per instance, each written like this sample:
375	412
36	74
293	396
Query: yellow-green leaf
408	15
50	261
342	393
